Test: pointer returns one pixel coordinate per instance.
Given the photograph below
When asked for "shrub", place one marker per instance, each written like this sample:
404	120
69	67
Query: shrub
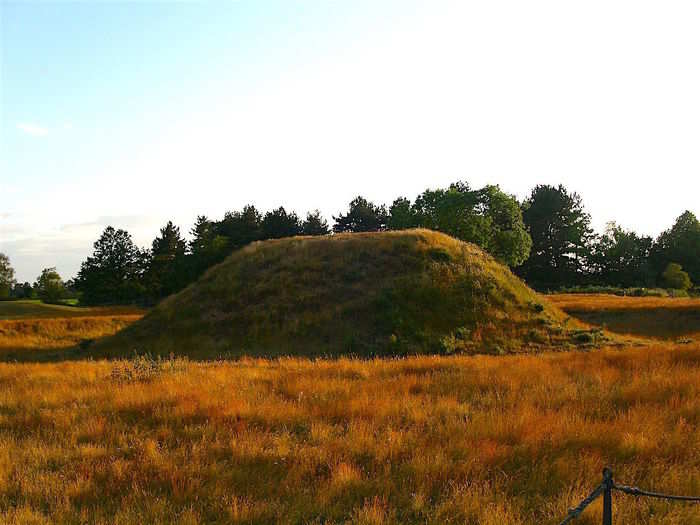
439	255
675	278
537	307
583	337
588	337
145	368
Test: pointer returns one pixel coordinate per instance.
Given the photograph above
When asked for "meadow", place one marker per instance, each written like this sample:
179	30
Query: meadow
663	318
31	330
513	439
35	309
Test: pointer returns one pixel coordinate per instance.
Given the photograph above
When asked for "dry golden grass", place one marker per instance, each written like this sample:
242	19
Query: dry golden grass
33	330
476	440
657	317
35	309
596	302
28	338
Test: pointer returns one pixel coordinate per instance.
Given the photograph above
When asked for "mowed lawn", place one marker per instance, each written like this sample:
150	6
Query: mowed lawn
474	440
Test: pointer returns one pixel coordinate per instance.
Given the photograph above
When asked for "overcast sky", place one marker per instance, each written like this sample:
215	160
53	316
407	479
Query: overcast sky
132	114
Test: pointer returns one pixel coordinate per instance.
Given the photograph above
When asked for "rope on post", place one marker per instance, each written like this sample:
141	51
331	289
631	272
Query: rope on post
634	491
605	489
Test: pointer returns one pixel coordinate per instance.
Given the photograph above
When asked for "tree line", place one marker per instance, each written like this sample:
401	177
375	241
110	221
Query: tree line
49	286
547	240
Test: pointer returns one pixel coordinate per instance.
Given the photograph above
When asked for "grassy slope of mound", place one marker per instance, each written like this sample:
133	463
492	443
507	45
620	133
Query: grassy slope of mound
392	293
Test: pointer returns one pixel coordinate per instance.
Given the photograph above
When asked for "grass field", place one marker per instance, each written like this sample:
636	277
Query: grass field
460	439
32	330
35	309
656	317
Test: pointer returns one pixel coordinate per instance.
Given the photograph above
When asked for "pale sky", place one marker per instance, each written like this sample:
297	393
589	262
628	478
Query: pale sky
132	114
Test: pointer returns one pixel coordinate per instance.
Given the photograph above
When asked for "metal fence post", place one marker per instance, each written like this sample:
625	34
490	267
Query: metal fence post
607	496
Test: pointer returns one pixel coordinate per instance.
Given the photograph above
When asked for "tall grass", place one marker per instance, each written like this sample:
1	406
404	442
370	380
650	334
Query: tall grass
35	309
657	317
20	339
487	440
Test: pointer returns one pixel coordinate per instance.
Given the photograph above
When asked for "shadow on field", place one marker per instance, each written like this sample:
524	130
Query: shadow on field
661	323
43	355
39	339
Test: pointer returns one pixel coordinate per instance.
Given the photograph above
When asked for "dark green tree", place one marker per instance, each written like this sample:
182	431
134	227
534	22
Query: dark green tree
168	271
680	244
362	216
207	246
203	233
278	224
71	292
402	215
561	238
22	291
169	244
315	224
114	273
7	276
49	286
621	258
241	227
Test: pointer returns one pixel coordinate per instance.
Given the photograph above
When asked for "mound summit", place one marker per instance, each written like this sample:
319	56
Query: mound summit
362	294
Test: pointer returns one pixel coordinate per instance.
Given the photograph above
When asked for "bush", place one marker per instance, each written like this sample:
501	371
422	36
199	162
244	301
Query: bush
588	337
439	255
144	367
537	307
675	278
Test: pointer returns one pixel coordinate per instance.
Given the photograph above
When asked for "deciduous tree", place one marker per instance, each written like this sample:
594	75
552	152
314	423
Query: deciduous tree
49	286
7	276
487	217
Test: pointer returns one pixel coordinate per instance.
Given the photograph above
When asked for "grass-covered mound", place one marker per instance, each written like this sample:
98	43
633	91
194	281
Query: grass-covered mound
392	293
